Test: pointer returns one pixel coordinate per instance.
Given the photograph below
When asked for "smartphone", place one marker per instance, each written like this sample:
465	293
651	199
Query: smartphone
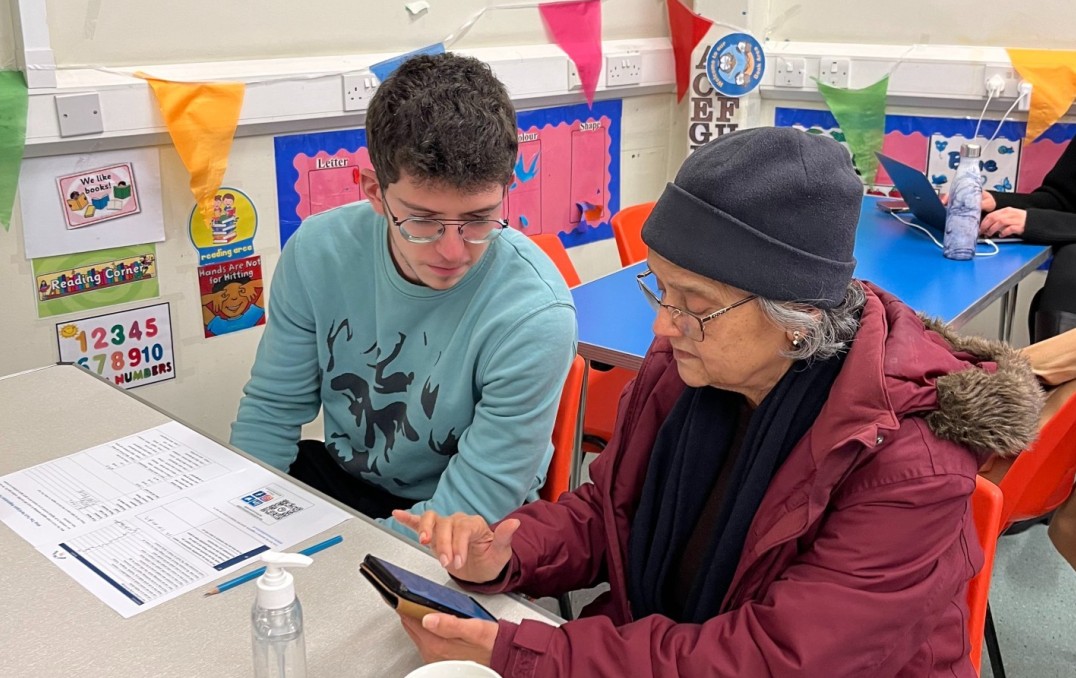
892	206
416	596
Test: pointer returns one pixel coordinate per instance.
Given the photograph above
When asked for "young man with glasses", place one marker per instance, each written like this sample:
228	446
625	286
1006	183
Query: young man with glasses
435	339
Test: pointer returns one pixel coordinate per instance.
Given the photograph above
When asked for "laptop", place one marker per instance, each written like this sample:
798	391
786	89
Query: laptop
921	198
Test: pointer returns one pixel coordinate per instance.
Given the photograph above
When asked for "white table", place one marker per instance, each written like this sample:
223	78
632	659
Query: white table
52	626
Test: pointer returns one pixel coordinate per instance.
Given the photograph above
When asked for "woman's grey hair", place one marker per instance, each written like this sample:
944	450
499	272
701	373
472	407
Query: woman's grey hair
825	332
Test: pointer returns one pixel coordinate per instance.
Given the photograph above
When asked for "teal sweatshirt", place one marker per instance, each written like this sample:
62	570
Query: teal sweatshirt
445	397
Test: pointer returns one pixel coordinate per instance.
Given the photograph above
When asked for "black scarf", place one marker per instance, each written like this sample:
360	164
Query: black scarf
689	452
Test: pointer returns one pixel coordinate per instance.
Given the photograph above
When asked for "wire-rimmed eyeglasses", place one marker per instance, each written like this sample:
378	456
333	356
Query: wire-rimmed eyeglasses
428	229
689	324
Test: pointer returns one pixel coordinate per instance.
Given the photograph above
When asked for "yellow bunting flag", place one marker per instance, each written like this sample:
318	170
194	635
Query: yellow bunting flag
201	118
1052	74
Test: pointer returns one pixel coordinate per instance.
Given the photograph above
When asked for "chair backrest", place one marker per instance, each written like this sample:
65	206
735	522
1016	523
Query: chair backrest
1041	477
628	232
986	503
556	251
565	433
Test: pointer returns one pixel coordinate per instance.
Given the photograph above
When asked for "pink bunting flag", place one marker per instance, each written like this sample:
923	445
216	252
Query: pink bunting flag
576	27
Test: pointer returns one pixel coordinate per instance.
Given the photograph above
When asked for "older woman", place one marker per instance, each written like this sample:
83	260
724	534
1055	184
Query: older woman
787	489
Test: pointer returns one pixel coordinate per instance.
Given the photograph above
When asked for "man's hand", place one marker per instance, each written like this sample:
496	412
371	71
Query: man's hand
465	545
443	636
1006	222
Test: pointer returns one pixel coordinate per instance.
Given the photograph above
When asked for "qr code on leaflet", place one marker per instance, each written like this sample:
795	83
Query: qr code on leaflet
280	510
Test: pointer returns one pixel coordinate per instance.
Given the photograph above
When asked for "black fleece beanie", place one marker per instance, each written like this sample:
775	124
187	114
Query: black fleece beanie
770	210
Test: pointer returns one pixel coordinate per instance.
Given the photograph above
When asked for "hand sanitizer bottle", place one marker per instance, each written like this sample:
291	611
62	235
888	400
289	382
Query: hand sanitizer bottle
965	206
277	618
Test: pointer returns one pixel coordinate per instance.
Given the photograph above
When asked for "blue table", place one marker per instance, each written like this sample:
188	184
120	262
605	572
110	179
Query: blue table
615	320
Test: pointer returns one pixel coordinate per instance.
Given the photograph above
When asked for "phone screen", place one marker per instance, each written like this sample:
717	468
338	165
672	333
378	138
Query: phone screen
437	593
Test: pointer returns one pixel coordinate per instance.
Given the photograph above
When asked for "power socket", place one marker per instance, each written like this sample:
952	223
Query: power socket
790	72
1025	90
574	82
835	72
623	69
79	114
1003	75
359	88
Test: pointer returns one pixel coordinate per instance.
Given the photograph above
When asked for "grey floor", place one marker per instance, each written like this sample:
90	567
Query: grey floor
1033	597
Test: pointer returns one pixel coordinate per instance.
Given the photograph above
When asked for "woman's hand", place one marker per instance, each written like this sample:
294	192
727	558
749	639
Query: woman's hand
443	636
1006	222
465	545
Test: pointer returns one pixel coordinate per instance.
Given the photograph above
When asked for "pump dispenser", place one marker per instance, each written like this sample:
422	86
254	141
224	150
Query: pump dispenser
277	619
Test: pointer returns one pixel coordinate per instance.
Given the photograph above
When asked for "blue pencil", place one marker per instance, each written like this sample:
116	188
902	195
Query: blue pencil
254	574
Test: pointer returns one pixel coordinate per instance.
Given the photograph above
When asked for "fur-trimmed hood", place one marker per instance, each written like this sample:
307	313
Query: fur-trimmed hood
975	392
990	411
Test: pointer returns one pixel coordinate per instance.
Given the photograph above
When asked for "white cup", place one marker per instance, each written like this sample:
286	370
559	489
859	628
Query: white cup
453	669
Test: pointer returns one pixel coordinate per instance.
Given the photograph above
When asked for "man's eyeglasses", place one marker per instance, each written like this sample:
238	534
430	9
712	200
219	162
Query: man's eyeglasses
427	229
689	324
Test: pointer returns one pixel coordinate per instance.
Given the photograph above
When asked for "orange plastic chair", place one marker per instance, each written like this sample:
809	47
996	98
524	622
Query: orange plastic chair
604	383
555	250
1041	477
628	232
1039	480
986	503
565	433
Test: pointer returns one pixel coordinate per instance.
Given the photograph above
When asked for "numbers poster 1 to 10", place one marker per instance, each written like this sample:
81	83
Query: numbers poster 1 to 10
129	348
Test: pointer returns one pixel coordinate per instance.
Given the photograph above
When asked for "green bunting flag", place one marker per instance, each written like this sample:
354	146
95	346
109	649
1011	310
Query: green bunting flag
13	102
861	115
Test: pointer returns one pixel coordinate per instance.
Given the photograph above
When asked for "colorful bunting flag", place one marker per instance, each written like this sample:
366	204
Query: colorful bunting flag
383	69
687	30
13	103
861	115
576	27
201	119
1052	74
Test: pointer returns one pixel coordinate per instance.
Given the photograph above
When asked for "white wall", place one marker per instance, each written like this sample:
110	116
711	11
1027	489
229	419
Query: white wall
123	32
1042	24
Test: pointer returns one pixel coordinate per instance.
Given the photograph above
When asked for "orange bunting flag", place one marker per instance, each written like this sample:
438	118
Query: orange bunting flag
1052	74
201	119
686	29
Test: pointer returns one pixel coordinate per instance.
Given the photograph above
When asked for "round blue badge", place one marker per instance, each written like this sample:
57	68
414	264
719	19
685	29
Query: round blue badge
735	64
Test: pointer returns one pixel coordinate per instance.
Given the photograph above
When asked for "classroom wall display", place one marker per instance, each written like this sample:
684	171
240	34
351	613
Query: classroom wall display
567	178
317	172
232	298
932	145
98	195
91	201
231	233
711	114
567	172
71	283
129	348
735	64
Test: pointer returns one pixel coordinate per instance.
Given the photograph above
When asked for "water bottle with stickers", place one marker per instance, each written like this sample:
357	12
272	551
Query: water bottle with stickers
965	206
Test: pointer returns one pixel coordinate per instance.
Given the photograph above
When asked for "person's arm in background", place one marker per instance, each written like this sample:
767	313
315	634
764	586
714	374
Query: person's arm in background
1057	192
502	451
1054	360
1046	216
284	388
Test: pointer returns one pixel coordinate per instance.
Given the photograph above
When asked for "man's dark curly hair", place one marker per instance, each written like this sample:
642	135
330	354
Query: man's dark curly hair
444	119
